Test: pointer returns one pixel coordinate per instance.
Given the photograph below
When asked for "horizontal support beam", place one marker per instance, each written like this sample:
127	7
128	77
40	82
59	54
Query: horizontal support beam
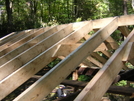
112	89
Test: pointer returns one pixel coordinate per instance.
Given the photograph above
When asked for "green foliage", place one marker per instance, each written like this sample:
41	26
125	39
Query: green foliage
84	78
27	14
122	83
53	63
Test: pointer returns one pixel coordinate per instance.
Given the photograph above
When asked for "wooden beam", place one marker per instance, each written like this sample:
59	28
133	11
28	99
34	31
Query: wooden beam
100	58
21	41
29	54
68	47
100	23
71	47
89	64
7	38
94	61
48	82
37	63
124	30
112	89
129	52
97	87
13	35
111	43
123	20
28	44
126	20
16	38
108	54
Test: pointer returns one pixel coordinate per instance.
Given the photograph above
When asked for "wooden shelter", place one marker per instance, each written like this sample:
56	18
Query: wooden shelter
25	53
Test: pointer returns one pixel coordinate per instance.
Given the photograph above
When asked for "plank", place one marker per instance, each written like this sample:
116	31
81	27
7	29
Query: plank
29	69
112	89
94	89
124	30
71	47
126	20
99	23
111	43
129	52
108	54
6	38
16	38
48	82
68	47
100	58
94	61
22	40
12	36
123	20
32	52
28	44
89	64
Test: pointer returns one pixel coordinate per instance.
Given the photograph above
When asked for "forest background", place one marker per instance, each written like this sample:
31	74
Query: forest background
18	15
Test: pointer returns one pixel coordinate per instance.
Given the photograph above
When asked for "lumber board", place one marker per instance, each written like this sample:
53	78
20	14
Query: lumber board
111	43
94	61
128	91
22	41
65	49
19	36
89	64
99	23
125	20
129	52
108	54
30	43
32	52
71	47
48	82
12	36
36	64
124	30
94	90
6	38
98	57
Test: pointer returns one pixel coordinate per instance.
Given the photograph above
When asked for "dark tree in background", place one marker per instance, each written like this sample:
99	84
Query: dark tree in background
18	15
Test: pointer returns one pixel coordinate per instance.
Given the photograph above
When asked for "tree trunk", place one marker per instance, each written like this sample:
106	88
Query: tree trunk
8	4
75	8
125	7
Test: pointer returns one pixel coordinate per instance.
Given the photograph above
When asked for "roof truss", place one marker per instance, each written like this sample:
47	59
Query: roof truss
25	53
